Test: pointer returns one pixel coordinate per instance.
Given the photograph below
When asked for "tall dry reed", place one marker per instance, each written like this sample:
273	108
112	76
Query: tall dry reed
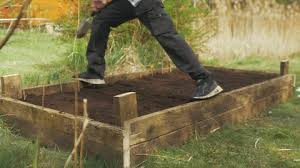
254	27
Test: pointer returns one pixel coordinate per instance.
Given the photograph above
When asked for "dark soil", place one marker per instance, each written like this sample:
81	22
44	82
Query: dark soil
155	93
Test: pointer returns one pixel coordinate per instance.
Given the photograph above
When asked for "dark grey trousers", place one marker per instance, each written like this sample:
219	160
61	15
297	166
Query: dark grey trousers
152	14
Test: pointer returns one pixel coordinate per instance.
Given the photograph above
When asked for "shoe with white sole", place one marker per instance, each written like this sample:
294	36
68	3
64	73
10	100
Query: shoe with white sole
91	79
206	88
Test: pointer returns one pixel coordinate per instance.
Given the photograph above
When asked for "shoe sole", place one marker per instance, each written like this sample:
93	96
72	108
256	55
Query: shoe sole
92	81
213	93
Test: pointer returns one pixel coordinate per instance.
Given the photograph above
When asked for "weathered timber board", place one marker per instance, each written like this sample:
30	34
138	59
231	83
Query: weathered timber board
153	125
259	72
50	89
57	129
69	87
176	125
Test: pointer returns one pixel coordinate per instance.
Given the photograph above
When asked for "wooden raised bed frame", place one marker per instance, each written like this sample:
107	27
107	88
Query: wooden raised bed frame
141	135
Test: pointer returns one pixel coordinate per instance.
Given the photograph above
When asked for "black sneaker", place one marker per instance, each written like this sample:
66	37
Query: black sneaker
91	79
206	88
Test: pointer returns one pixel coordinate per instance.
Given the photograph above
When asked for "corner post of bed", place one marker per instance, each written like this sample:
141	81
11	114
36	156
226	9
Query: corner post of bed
125	107
284	67
11	86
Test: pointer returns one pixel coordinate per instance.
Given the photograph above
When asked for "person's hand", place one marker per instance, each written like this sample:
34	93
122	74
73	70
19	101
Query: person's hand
97	5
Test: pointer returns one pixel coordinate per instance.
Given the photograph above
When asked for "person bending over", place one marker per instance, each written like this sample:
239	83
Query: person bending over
150	13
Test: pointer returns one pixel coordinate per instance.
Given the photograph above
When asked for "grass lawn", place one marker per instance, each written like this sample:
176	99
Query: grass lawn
30	53
276	135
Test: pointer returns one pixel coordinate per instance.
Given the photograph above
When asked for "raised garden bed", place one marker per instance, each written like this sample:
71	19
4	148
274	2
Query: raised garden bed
127	128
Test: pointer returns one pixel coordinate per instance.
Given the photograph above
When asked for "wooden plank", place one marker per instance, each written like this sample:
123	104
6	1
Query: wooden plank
140	152
163	122
11	86
115	78
284	67
244	71
180	136
57	129
49	89
68	87
271	86
125	107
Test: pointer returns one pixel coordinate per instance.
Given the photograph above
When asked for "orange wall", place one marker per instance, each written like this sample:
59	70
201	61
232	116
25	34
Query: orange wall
51	9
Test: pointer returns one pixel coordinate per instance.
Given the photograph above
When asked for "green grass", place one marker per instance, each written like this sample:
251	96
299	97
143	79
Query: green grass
28	53
18	152
41	58
29	49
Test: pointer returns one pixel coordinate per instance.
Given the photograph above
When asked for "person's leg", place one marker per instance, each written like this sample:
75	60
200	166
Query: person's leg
113	15
162	28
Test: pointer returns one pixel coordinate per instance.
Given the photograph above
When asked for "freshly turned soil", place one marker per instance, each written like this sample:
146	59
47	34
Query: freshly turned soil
154	93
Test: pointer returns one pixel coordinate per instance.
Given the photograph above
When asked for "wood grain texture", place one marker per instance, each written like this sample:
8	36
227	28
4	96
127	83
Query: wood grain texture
156	124
126	146
258	72
50	89
180	136
284	67
11	86
57	129
68	87
125	107
119	77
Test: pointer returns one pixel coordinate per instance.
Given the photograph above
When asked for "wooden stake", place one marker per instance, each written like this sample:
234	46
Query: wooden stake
152	71
24	95
85	113
284	67
125	106
126	145
76	125
43	97
162	68
78	85
60	84
77	141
